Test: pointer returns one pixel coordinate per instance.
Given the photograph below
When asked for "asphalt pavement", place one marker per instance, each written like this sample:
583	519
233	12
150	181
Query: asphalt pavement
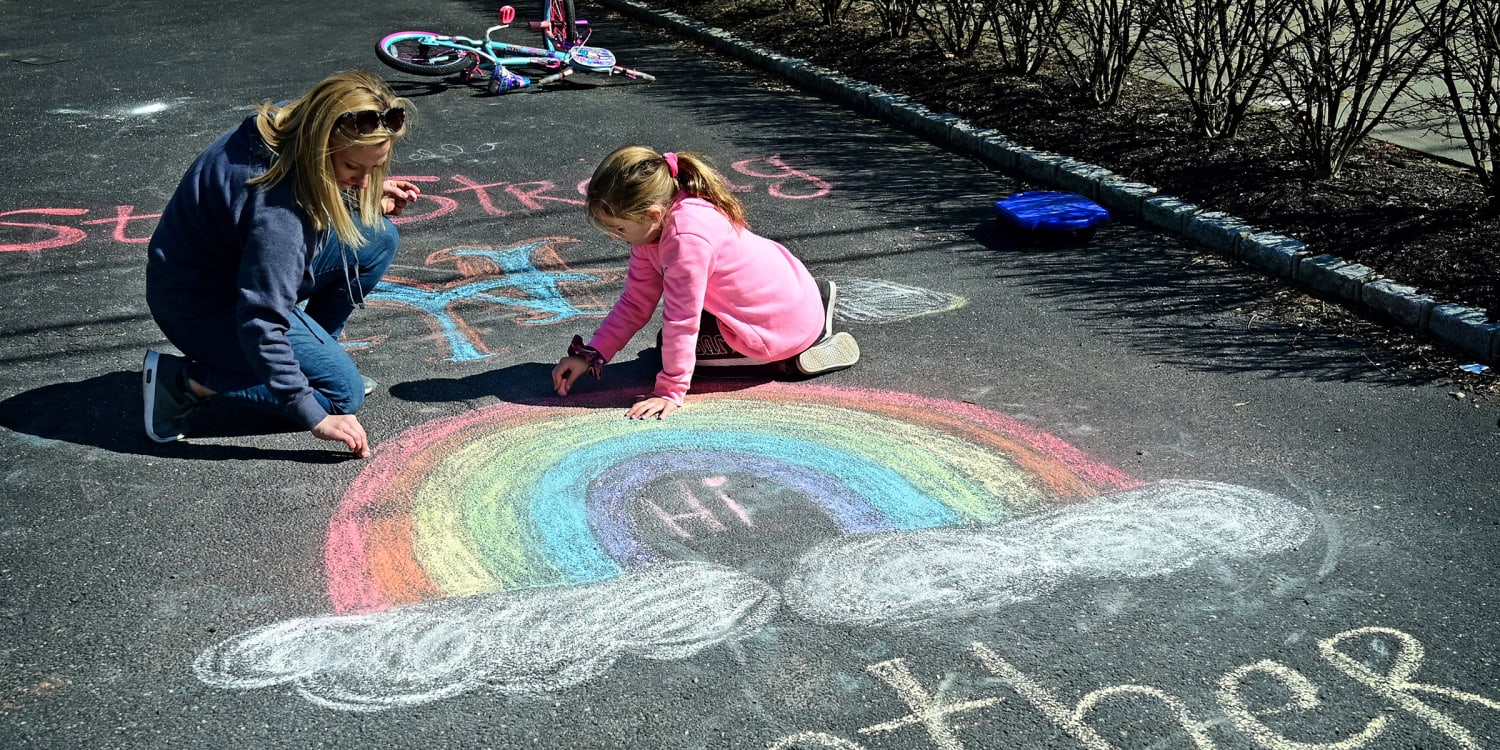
1071	496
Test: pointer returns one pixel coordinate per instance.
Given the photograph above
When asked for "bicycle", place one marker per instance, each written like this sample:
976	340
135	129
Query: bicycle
427	53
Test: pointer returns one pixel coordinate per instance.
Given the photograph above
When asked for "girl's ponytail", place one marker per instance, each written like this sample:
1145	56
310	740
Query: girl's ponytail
696	178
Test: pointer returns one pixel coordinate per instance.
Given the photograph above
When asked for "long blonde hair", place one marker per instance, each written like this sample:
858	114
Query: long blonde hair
632	179
303	136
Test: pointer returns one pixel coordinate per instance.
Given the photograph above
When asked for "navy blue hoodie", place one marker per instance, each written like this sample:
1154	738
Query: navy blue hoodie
223	248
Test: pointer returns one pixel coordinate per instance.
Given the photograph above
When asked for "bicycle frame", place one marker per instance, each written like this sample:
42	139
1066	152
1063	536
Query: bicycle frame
492	57
506	54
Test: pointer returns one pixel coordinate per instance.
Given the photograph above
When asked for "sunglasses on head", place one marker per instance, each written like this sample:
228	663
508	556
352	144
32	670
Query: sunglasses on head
366	121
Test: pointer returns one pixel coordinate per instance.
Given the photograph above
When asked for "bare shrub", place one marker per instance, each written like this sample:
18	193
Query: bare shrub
1347	65
1218	52
833	10
956	26
1098	41
1024	32
898	18
1465	35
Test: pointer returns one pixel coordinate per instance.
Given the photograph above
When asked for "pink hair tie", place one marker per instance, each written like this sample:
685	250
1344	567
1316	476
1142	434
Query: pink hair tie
671	158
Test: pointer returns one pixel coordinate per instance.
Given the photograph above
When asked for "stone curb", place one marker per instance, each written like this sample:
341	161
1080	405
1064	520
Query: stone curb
1463	327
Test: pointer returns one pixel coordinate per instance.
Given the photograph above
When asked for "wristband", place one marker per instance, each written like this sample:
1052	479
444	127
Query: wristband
588	354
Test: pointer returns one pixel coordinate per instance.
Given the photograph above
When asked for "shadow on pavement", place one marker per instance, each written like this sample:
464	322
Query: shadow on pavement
1186	306
531	383
105	412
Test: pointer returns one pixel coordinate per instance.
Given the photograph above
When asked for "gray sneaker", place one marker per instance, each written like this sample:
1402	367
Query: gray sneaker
837	352
368	383
168	402
830	293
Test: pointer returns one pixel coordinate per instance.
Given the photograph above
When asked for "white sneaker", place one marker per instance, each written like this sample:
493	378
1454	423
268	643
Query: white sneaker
837	352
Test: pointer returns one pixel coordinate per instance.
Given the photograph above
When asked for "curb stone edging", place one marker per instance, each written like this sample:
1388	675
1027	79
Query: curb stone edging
1464	327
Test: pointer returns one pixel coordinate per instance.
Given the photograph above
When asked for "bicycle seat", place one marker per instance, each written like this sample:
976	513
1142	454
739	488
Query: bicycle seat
596	59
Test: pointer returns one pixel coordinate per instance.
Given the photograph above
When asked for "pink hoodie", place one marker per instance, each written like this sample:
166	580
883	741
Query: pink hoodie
767	303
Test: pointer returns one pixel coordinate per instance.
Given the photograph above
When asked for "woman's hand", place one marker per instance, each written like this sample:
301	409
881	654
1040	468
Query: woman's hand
567	372
395	194
346	429
651	406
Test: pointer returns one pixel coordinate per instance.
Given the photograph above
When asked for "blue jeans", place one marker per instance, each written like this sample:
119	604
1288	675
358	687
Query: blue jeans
219	363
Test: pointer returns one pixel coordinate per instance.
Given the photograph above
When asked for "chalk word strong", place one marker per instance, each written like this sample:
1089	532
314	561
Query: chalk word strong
1396	685
36	229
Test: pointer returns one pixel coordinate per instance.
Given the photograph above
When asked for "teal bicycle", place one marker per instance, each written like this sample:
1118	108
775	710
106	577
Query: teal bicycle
427	53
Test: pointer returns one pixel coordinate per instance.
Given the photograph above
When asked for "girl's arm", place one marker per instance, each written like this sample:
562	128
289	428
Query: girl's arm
689	263
643	285
631	313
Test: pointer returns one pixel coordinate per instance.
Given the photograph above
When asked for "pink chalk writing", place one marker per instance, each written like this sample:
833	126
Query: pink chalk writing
36	229
696	510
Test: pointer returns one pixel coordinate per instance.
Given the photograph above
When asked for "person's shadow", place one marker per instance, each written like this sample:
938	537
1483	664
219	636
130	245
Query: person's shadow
530	383
105	411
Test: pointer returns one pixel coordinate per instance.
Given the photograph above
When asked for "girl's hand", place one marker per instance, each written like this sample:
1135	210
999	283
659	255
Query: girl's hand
567	372
346	429
651	406
395	194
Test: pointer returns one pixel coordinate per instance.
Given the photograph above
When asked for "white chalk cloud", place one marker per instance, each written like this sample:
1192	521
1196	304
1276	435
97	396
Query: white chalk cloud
881	301
914	578
528	641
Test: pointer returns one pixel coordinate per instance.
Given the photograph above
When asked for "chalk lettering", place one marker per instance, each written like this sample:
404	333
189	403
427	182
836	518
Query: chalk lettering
783	175
494	198
1396	685
804	740
64	235
1304	698
123	216
485	202
531	194
927	709
696	511
441	205
738	510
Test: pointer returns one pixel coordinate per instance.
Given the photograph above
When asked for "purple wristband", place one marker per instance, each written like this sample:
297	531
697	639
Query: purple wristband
589	354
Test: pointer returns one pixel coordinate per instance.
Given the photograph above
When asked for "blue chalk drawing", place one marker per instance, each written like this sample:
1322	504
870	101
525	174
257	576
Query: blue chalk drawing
510	271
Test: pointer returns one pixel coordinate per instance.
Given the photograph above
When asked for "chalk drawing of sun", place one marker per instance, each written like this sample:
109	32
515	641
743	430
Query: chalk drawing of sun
525	548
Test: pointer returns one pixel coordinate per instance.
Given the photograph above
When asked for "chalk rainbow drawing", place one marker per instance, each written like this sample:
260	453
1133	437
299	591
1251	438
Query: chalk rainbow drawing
516	496
497	550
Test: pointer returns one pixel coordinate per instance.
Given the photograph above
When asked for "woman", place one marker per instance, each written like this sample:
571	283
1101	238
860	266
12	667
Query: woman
290	207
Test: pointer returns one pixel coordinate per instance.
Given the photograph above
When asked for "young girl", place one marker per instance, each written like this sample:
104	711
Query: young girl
733	299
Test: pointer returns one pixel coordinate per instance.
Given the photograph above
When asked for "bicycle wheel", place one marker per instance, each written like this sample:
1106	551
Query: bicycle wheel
562	23
413	52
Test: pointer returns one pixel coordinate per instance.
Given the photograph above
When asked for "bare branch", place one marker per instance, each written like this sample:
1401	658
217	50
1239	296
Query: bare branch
1345	68
1219	53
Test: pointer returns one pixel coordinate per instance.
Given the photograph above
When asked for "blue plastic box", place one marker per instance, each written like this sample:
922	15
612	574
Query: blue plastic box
1050	211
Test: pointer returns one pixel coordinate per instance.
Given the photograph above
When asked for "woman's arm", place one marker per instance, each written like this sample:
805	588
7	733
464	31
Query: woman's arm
276	242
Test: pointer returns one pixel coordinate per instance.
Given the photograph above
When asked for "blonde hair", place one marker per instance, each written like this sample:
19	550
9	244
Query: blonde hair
633	179
303	135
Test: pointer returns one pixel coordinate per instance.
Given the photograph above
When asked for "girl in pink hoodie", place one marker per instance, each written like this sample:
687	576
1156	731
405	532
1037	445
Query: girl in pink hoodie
733	299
